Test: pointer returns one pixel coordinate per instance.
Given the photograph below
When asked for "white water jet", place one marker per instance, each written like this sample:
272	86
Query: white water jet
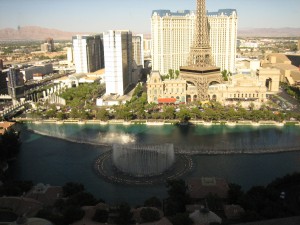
143	160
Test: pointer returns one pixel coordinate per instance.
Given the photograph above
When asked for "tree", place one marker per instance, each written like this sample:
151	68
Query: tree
153	202
183	115
234	193
177	73
124	214
72	188
81	199
100	216
74	113
61	116
51	113
178	197
102	114
72	213
225	75
10	144
181	219
149	215
171	73
169	112
15	188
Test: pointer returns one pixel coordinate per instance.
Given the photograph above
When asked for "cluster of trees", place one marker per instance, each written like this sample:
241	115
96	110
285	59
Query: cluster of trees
68	209
138	108
82	96
280	198
225	75
171	74
292	91
9	144
81	105
15	188
175	204
213	111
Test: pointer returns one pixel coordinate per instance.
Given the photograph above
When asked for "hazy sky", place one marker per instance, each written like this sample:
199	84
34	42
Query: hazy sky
102	15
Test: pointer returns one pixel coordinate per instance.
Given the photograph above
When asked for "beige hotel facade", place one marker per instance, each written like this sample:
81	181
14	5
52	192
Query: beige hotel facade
173	33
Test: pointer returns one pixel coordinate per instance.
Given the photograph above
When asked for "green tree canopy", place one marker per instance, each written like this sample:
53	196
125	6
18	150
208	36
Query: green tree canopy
149	215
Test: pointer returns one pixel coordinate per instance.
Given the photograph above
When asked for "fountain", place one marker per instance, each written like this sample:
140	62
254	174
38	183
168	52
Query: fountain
142	164
143	160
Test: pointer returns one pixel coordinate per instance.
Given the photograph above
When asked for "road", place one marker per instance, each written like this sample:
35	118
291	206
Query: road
291	102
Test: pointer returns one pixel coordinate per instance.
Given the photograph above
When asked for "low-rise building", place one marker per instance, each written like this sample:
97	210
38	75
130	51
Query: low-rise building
4	126
75	79
288	73
37	69
159	89
199	188
45	194
243	89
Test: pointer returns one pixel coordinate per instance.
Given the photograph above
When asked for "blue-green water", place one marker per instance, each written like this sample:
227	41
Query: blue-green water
62	157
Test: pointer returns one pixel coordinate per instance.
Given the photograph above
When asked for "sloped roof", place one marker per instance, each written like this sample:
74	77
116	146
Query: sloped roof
280	58
285	66
295	75
164	12
225	12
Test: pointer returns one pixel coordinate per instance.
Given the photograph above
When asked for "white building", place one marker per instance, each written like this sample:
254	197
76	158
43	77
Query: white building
223	37
70	54
138	49
118	61
147	47
88	54
173	33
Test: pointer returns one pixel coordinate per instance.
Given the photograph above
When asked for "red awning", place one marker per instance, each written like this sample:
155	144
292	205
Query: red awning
166	100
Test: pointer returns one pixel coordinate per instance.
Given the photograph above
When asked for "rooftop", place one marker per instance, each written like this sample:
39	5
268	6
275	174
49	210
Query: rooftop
4	126
222	12
165	12
166	100
199	188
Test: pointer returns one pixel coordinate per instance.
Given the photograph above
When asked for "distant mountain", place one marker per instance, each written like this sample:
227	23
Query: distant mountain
34	33
41	33
269	32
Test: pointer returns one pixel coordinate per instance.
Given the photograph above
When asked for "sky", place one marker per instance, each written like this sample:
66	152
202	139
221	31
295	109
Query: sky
102	15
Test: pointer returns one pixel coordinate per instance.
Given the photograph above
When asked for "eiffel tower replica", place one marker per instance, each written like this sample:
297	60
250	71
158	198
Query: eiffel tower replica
200	70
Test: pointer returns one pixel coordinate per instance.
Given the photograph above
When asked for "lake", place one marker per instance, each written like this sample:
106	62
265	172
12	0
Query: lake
56	154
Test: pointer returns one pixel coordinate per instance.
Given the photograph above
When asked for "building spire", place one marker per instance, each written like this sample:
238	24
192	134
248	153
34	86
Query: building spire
200	53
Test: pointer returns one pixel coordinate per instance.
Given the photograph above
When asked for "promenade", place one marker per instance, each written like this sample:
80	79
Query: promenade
157	122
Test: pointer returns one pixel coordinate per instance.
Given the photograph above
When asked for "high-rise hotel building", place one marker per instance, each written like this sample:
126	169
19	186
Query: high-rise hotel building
118	61
173	33
138	49
88	53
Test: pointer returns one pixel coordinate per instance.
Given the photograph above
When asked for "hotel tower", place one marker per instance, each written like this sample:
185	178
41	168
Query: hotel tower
173	35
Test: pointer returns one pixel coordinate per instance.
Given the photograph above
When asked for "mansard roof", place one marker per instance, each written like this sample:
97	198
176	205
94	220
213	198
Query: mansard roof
225	12
165	12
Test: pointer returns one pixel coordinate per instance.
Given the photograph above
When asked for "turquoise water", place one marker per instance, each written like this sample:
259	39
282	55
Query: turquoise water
69	151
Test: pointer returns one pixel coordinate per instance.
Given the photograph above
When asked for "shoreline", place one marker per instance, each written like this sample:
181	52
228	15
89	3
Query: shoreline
158	122
201	149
